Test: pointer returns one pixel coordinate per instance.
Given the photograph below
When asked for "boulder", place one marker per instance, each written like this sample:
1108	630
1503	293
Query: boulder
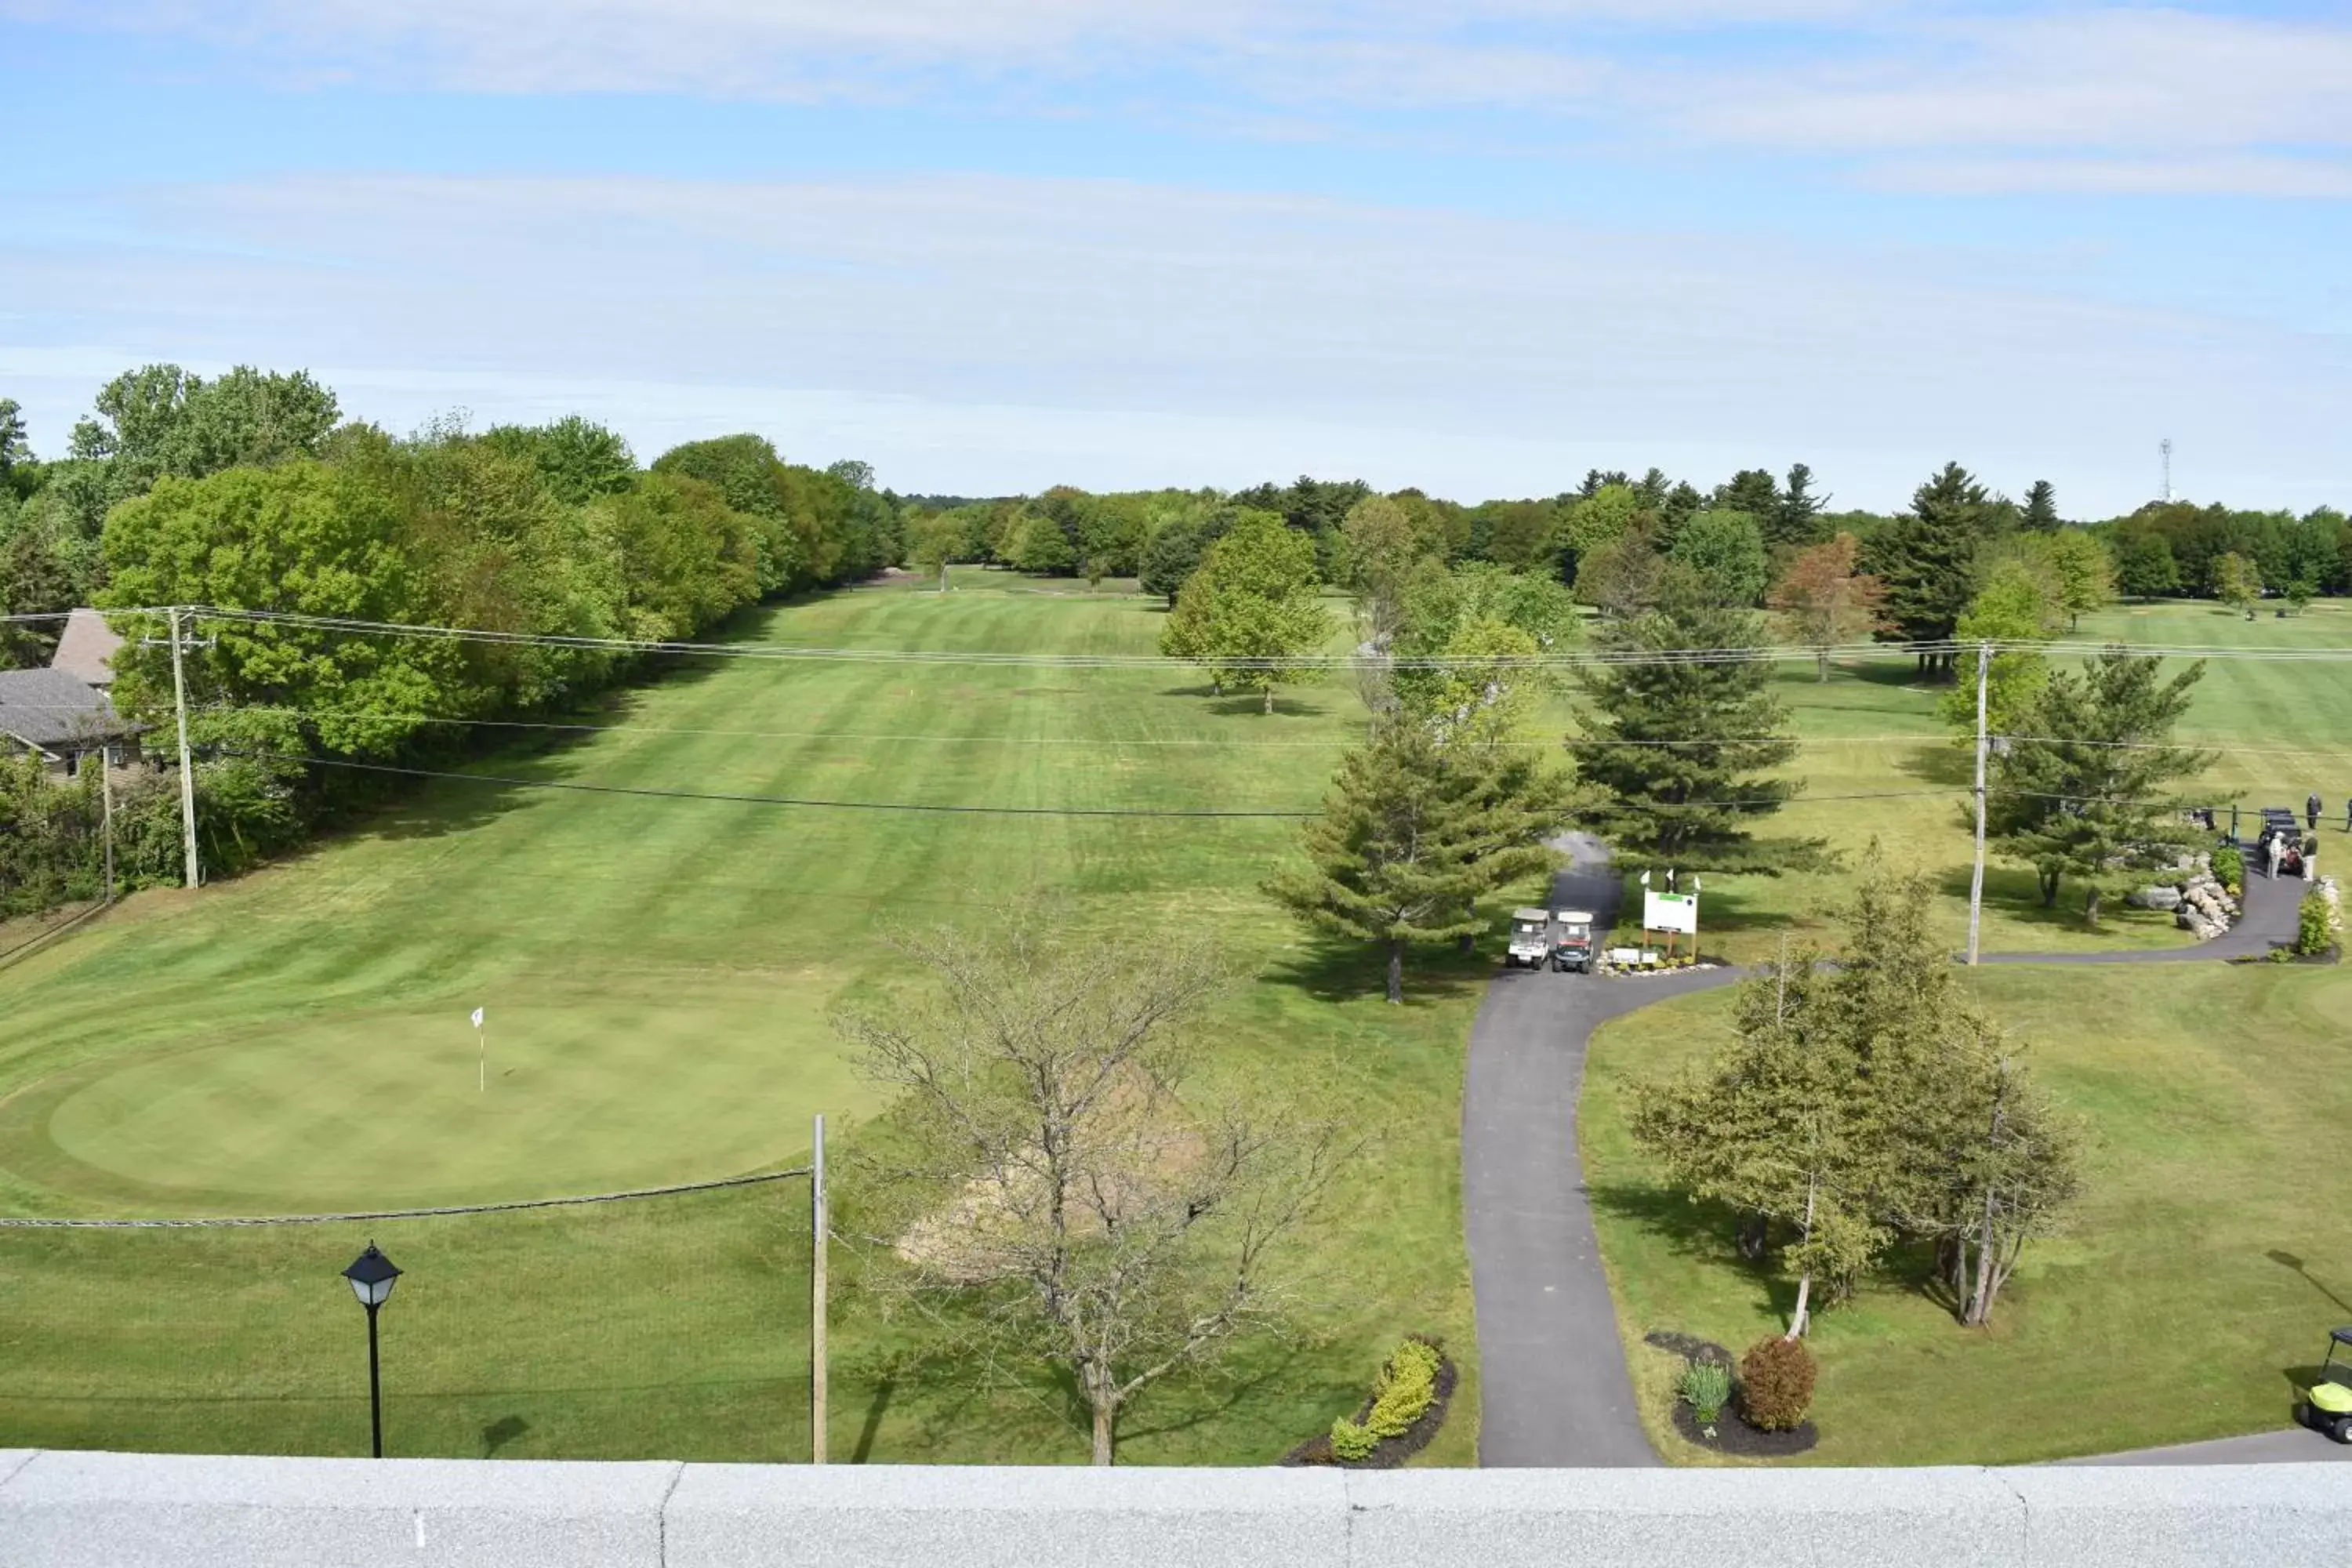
2188	917
2159	897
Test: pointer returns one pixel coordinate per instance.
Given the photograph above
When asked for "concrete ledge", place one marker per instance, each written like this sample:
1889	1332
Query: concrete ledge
132	1510
160	1511
756	1516
1665	1519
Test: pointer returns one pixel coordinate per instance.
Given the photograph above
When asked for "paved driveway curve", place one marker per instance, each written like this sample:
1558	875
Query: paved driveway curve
1555	1391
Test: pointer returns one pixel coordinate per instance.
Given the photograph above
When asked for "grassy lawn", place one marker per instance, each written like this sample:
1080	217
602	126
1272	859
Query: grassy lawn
657	975
2207	1262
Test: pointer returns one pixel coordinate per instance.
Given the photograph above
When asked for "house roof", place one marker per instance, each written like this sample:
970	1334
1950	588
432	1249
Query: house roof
54	708
86	648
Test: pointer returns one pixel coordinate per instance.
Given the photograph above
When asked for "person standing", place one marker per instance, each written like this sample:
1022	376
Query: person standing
2347	816
2233	818
2311	812
2274	842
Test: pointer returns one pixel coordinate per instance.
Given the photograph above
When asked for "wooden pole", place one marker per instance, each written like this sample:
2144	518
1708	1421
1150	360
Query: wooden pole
187	771
819	1225
106	794
1976	878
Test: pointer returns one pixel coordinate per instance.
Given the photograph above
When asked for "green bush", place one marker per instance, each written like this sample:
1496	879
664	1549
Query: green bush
2229	868
1407	1388
1402	1394
1350	1441
1776	1383
1707	1389
2315	924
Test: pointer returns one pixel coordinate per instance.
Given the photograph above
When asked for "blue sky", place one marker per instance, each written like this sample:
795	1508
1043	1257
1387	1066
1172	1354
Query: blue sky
992	245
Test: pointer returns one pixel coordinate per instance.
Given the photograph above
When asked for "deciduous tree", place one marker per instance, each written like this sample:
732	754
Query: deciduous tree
1252	610
1079	1207
2238	582
1826	602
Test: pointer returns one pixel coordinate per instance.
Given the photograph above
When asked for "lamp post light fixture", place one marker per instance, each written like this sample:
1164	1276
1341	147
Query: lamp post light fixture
371	1275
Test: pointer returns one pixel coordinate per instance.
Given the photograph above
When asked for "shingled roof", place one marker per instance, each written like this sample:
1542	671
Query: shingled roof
86	648
55	711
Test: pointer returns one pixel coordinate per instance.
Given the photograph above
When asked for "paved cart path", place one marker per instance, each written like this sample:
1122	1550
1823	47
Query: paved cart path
1555	1391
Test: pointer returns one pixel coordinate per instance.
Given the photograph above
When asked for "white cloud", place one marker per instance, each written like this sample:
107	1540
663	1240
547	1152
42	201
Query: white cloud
1006	334
2141	81
2288	178
1844	78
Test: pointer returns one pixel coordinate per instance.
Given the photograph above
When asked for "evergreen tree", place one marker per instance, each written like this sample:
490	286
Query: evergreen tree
2041	509
1676	750
2088	779
1796	523
1751	490
15	451
1928	559
1865	1103
1413	834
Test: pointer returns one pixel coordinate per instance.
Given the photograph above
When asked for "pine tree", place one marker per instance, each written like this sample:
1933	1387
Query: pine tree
1415	834
1928	559
1676	750
2041	508
1869	1103
2088	780
1796	524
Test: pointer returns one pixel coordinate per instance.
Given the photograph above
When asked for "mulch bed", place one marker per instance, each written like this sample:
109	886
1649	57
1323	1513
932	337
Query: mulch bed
1388	1453
1733	1434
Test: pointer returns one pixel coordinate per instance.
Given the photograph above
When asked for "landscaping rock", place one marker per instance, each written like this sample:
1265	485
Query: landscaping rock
2166	898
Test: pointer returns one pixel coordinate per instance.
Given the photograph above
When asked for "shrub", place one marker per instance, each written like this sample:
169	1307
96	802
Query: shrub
1403	1392
1407	1387
2315	924
1706	1388
1776	1383
1350	1441
2229	868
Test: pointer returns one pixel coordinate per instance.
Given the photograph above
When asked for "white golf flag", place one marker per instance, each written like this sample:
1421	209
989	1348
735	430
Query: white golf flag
1645	878
478	1017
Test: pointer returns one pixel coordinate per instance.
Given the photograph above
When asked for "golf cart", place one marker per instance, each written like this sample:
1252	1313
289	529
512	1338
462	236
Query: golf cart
2327	1404
1530	938
2281	823
1572	947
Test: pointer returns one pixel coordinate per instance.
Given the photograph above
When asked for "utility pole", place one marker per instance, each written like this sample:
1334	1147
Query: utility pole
187	771
819	1225
105	796
1976	879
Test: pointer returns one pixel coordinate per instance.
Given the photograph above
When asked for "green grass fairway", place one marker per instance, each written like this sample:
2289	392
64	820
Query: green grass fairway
658	975
2205	1266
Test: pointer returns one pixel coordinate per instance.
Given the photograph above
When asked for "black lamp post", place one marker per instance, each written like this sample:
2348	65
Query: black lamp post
371	1275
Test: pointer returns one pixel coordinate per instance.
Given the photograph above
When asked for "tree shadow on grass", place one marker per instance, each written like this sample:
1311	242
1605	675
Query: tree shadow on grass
1331	971
1951	767
2015	893
1696	1229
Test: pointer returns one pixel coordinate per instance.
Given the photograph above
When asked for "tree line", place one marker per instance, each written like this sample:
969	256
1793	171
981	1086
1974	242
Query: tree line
252	491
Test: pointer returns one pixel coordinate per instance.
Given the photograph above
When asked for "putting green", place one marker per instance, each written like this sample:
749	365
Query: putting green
395	1108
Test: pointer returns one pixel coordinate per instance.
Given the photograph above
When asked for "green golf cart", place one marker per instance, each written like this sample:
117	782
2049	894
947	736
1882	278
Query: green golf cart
2328	1403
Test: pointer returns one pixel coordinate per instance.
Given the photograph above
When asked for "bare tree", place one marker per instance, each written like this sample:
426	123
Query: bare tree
1073	1207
